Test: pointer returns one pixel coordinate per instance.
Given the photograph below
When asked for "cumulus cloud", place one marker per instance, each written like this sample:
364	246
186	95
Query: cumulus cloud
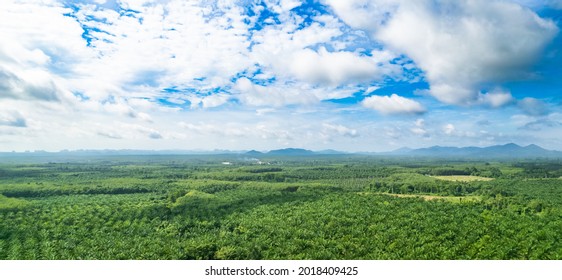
182	42
317	53
460	45
394	104
335	68
496	99
280	94
98	74
99	51
185	45
39	45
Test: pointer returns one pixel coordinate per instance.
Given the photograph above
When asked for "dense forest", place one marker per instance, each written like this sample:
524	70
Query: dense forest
315	207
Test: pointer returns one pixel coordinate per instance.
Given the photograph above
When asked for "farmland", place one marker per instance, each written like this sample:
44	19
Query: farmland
314	207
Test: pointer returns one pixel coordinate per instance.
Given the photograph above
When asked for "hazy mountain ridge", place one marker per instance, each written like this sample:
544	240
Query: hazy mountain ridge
509	150
294	152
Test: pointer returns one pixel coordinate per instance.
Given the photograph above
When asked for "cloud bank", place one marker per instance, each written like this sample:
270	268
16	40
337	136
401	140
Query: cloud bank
188	74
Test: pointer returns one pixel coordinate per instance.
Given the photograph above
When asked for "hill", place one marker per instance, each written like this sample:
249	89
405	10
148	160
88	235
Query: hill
510	150
290	152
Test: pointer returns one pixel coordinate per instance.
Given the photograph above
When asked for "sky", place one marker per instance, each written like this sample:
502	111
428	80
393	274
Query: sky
354	75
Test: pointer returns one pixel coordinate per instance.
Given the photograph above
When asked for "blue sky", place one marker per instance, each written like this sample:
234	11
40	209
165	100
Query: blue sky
353	75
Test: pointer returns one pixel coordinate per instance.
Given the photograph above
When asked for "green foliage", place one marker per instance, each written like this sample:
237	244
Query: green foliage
11	203
313	208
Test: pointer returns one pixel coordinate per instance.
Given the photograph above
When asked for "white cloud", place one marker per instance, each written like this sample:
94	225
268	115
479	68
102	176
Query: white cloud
209	101
264	111
282	94
329	130
214	100
371	89
393	104
496	99
180	42
335	68
418	131
419	128
272	95
32	34
282	6
449	129
185	46
93	77
460	45
44	55
295	53
364	14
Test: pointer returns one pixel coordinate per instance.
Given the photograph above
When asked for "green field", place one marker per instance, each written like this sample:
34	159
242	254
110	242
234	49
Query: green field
321	207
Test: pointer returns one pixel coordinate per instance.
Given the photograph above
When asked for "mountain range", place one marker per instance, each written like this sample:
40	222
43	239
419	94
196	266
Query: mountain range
510	150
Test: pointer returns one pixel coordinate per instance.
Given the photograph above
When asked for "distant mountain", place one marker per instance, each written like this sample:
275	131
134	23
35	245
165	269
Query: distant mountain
507	151
401	151
330	152
290	152
510	150
253	153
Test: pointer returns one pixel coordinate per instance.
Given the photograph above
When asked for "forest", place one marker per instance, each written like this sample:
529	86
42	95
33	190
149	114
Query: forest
232	207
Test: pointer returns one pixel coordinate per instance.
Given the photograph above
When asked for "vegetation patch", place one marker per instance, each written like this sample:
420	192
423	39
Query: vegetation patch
12	203
463	178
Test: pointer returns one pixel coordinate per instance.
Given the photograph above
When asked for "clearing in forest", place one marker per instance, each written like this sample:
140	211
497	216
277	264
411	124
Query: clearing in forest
463	178
457	199
471	198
